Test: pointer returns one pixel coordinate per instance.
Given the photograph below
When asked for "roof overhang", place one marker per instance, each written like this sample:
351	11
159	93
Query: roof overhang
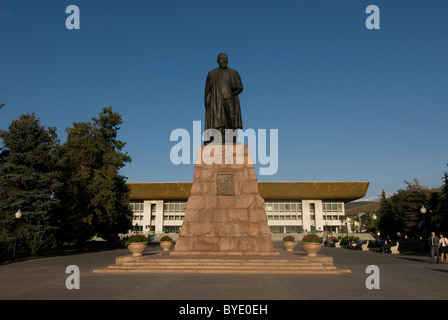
342	191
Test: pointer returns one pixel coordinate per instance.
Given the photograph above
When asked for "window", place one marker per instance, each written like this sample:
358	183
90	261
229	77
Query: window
293	229
174	206
171	229
136	206
333	207
286	229
277	229
283	210
174	210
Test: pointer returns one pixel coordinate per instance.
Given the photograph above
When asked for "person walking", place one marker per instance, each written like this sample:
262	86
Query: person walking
443	247
434	246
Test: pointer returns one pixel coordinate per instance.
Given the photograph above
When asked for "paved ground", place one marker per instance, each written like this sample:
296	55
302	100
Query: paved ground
401	277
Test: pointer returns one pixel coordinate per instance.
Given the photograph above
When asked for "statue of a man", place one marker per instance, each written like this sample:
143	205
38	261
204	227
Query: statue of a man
222	105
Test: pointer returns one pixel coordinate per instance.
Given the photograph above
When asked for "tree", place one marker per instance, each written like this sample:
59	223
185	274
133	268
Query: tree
387	220
400	214
29	181
95	194
438	204
407	204
443	207
368	222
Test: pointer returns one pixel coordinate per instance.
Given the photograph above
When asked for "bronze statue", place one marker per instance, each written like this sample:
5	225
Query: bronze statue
222	104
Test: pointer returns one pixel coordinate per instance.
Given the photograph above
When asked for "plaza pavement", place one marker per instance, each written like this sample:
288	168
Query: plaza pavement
402	277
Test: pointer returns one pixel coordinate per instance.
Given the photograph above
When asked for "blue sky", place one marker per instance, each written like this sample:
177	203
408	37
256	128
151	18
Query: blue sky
350	104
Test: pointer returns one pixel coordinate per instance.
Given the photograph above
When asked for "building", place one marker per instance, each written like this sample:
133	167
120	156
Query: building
291	207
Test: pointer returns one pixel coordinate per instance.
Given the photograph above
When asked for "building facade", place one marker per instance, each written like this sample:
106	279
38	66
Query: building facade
291	207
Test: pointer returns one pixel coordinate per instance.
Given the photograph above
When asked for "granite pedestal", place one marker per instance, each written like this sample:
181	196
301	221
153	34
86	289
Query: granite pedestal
225	214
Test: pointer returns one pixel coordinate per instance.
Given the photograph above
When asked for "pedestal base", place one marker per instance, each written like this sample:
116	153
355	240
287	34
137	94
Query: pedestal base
224	214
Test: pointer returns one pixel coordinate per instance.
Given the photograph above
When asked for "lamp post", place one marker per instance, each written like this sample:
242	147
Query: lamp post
18	216
423	211
347	221
374	217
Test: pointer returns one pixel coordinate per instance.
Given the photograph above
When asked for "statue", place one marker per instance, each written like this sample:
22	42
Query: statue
222	104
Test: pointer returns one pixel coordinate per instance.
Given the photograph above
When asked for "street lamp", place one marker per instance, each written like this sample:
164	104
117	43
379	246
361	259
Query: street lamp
423	211
347	221
18	216
374	217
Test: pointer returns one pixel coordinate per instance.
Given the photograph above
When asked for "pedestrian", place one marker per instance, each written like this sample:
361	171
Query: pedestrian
434	246
443	247
385	247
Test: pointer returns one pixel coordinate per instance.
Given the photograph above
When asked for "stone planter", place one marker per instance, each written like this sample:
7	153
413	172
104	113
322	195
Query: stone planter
137	248
311	248
289	245
166	245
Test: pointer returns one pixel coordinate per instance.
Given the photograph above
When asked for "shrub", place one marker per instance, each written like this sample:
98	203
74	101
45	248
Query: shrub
311	238
166	238
289	238
136	238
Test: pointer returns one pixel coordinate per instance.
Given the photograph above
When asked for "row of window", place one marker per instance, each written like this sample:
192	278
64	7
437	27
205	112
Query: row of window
290	208
136	206
286	229
174	206
269	217
331	206
283	206
173	217
284	217
274	229
328	217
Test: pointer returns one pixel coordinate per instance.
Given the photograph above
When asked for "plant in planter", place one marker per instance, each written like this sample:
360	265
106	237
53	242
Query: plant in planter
137	244
289	242
311	244
166	242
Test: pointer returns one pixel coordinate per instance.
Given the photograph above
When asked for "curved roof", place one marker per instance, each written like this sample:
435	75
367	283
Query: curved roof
342	191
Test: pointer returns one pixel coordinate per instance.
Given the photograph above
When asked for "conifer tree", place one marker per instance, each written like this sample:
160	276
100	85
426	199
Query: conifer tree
95	195
387	220
28	181
439	201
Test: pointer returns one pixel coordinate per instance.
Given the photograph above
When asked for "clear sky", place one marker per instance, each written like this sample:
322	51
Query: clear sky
349	103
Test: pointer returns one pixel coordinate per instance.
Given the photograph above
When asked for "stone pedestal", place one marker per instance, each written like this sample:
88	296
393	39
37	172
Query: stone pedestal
225	214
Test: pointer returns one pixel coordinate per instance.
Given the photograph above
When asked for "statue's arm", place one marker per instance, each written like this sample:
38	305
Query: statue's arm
238	85
207	91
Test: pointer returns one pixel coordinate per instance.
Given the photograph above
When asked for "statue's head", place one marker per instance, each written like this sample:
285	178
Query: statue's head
223	60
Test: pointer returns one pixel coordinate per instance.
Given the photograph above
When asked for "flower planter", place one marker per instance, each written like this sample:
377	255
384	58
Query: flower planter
311	248
289	245
137	248
166	245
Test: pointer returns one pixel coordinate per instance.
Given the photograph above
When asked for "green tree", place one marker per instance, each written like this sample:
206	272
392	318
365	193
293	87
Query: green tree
95	194
29	181
407	204
438	207
367	220
400	214
387	219
443	207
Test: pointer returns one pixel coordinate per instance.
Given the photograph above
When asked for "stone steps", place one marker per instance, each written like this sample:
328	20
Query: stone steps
129	264
236	265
